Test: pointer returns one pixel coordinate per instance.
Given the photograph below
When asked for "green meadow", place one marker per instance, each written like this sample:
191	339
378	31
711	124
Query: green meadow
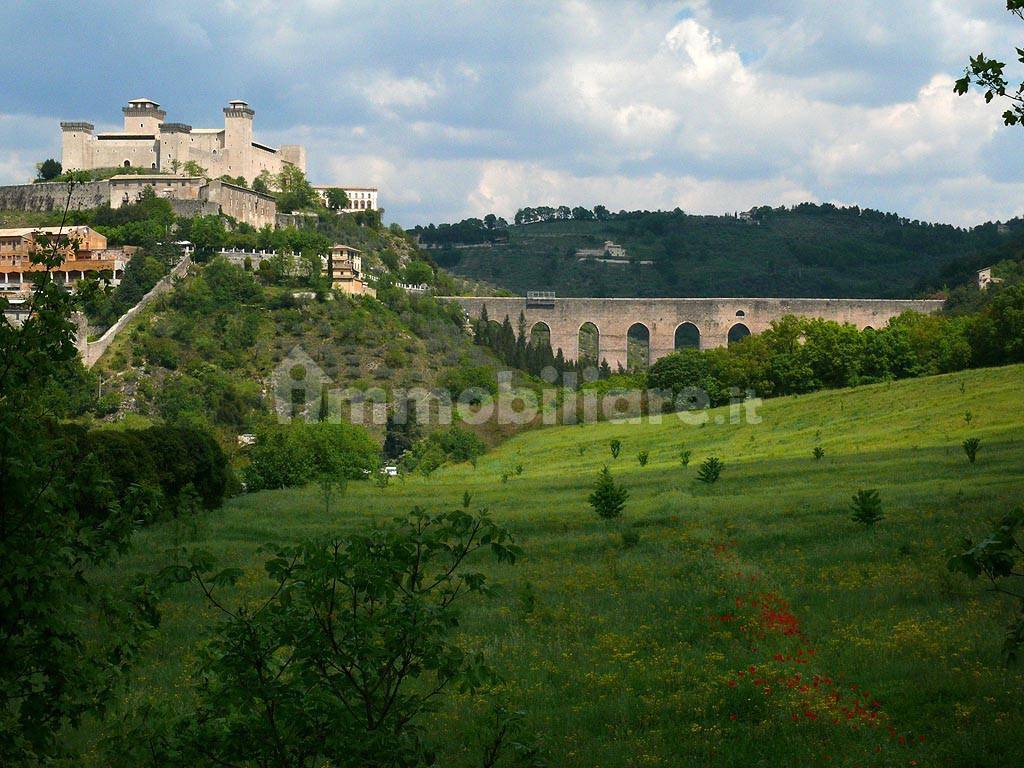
751	623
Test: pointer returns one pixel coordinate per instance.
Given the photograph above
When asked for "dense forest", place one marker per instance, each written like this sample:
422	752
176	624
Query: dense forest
806	250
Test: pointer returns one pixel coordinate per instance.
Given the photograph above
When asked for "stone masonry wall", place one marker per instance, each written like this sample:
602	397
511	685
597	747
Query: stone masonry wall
51	196
713	318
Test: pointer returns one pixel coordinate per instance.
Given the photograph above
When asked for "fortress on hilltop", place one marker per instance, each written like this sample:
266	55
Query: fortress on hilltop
147	141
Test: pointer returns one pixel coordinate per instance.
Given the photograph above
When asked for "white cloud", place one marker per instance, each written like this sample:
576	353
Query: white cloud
387	92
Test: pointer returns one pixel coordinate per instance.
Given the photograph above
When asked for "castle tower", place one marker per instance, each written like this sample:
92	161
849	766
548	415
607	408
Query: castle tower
76	146
294	154
143	116
174	146
237	141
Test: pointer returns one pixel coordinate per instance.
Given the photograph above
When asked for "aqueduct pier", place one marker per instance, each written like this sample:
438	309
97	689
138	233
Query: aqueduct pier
674	323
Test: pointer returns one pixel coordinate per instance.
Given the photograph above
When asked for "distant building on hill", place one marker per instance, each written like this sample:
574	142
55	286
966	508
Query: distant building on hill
609	251
986	278
84	250
359	198
344	265
147	141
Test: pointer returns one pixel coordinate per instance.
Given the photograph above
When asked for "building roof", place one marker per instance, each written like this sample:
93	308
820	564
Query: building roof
345	187
143	101
153	177
26	231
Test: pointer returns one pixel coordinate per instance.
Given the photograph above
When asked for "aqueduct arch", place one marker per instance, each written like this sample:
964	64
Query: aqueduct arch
737	333
687	336
588	343
713	319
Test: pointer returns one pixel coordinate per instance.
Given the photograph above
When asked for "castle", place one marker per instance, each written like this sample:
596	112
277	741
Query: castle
149	142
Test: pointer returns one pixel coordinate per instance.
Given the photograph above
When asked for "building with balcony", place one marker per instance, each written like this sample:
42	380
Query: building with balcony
84	251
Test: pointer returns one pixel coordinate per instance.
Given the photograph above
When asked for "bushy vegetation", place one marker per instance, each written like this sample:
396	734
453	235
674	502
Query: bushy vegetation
455	444
149	470
806	250
282	676
798	355
293	454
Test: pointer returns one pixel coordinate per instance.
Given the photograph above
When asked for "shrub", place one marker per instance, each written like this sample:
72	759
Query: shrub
998	557
710	470
608	499
616	447
296	453
970	446
404	582
467	377
819	453
642	458
684	457
460	444
866	506
167	459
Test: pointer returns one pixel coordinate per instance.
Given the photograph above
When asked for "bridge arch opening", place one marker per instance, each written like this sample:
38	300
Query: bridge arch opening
540	335
738	332
589	344
740	313
638	347
687	336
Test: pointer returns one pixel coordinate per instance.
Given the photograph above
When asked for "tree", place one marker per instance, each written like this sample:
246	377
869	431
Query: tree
400	431
192	168
608	498
710	470
987	74
970	446
866	506
48	170
263	183
294	192
346	660
59	520
337	199
998	557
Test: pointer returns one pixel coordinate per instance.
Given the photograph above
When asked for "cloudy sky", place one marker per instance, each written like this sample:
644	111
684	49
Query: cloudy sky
462	108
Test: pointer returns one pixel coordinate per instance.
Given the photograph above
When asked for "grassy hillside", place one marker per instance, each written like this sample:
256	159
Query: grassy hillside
807	251
753	623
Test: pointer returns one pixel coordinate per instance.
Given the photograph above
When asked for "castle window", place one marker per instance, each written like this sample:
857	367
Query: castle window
127	163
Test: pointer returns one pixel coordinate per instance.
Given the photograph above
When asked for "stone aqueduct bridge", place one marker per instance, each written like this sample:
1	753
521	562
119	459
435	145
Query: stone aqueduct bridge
715	320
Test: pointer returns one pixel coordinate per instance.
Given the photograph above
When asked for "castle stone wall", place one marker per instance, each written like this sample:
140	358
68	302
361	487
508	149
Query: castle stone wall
52	196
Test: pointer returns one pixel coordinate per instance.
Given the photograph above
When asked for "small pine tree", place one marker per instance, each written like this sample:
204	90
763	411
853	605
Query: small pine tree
970	446
710	470
819	453
866	506
642	458
684	457
608	498
616	446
